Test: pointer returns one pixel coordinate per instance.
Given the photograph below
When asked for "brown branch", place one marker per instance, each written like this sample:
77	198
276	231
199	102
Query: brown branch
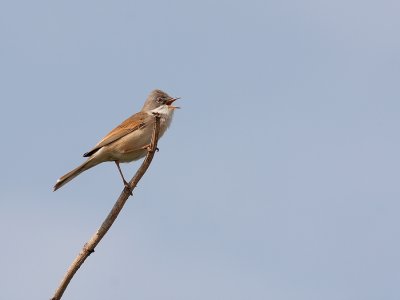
89	247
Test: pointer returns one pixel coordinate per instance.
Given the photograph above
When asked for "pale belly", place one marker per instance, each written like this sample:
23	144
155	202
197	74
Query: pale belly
130	147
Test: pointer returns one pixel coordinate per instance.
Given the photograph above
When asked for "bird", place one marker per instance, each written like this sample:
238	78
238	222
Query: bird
130	140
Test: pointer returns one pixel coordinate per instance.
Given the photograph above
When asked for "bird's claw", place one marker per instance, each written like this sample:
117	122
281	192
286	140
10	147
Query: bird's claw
128	188
148	148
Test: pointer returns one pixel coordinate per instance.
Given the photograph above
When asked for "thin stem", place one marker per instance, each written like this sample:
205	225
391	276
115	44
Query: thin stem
89	247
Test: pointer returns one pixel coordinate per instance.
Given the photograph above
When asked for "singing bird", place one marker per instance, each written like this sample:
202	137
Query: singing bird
131	139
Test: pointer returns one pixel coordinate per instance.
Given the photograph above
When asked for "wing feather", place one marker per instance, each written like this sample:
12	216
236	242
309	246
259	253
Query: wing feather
133	123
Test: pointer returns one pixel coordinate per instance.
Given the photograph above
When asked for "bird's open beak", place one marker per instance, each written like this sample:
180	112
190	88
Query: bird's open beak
172	100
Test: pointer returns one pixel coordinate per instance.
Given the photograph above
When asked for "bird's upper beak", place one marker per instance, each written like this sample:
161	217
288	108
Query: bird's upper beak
172	100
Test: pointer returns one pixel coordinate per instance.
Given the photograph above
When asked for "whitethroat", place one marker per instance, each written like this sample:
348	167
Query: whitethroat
130	140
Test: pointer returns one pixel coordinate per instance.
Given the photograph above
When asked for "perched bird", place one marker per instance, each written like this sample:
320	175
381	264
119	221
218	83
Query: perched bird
131	139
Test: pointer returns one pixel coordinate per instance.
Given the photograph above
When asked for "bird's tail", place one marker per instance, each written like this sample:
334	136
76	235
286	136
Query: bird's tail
75	172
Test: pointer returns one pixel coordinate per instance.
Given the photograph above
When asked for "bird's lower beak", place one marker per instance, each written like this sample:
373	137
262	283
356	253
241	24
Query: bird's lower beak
172	100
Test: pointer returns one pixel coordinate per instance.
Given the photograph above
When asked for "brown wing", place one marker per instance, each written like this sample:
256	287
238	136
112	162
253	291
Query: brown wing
135	122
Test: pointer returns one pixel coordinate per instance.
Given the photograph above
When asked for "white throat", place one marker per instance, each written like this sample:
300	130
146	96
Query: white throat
163	110
166	114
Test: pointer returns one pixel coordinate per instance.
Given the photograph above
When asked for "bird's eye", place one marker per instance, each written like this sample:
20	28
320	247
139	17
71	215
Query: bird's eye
160	99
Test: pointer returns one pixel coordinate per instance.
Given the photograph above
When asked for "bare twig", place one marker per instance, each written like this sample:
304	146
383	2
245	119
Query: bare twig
89	247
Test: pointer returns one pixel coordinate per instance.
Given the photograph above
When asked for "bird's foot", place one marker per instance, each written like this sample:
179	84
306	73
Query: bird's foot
148	148
128	187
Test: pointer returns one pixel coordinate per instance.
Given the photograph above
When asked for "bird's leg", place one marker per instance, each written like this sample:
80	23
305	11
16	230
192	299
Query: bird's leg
123	178
148	148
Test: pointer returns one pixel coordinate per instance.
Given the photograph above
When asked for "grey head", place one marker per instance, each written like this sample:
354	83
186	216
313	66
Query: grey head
156	99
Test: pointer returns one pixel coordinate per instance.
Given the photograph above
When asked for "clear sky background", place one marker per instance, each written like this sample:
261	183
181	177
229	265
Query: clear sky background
278	179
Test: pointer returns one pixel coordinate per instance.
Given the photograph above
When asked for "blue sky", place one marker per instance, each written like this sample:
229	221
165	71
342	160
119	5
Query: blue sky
278	179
